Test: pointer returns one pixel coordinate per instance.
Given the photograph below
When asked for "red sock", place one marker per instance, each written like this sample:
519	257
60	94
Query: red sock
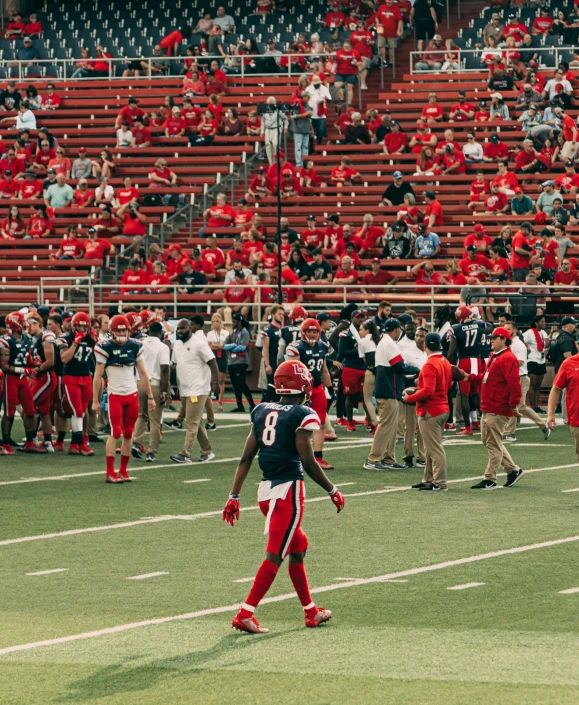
297	573
85	439
261	584
124	464
110	464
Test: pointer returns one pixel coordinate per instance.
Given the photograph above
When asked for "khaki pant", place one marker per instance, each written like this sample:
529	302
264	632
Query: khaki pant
409	412
153	418
194	426
492	428
524	410
400	426
431	428
575	433
208	408
369	380
384	443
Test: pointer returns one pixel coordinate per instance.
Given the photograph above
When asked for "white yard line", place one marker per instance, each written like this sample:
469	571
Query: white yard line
245	580
49	572
189	482
289	596
570	591
204	515
466	586
146	576
573	490
345	484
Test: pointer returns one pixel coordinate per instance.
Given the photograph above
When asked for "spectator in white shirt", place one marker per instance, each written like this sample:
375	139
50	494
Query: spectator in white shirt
319	99
124	135
472	150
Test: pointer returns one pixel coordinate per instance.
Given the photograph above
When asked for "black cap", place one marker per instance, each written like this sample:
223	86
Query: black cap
133	100
237	316
432	341
405	318
566	320
471	248
429	194
67	315
391	324
333	219
483	103
51	171
196	251
311	217
90	231
8	172
569	163
356	313
323	316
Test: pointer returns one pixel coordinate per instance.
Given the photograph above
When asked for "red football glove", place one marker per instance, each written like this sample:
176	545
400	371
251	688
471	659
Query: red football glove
78	338
30	371
338	499
94	335
231	511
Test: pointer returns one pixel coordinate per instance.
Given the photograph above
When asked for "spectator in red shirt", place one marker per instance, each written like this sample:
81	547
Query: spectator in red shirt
213	254
33	28
496	202
214	87
521	252
134	279
514	29
426	278
395	141
206	130
495	149
543	23
171	42
433	215
389	25
61	164
345	273
478	189
16	166
290	186
193	84
220	214
344	174
129	113
566	276
423	137
376	279
313	235
107	225
433	58
483	113
9	187
370	235
83	196
71	247
50	100
462	110
39	224
16	27
479	239
569	181
97	248
362	42
238	294
135	222
475	264
335	18
348	65
177	259
237	253
453	161
158	282
259	186
175	126
432	112
141	134
161	178
101	65
506	180
309	177
528	159
13	226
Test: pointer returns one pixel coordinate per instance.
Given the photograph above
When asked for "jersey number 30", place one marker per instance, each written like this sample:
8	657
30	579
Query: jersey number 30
268	434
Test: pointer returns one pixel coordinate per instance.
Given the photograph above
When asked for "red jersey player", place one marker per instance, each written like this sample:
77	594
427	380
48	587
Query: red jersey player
281	434
120	355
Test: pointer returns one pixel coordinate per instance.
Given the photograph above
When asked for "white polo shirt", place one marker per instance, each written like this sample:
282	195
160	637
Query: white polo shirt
154	354
411	353
520	352
193	373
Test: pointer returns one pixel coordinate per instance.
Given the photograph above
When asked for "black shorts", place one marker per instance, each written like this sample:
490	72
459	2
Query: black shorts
536	368
221	363
424	30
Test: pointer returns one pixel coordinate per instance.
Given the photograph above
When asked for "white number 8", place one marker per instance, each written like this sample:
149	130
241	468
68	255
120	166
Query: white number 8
268	435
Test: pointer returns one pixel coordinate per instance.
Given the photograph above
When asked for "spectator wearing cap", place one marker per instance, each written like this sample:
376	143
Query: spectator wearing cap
162	178
493	29
320	98
521	252
177	259
398	246
483	113
423	137
16	26
174	125
395	141
433	57
527	97
427	244
559	86
394	193
191	281
480	239
27	54
107	224
312	235
498	109
83	196
81	166
495	149
9	187
142	134
462	110
569	181
49	181
522	205
545	202
290	186
432	409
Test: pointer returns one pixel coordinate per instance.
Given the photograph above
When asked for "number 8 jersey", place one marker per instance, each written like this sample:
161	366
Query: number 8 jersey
275	426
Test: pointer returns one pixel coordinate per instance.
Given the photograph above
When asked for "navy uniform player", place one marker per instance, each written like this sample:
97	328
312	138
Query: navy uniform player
270	339
312	352
292	333
281	435
120	355
467	342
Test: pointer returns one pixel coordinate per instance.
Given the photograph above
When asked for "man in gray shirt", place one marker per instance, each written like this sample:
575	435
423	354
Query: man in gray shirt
547	198
81	167
224	21
493	29
27	53
160	64
60	194
301	127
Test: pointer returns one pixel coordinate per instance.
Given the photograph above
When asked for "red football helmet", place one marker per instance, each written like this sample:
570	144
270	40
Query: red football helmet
80	322
298	314
16	322
311	331
119	329
463	313
134	320
292	377
147	317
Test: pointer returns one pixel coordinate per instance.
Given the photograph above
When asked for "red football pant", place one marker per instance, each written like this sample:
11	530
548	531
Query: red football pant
77	393
123	414
43	389
17	391
474	366
319	403
285	522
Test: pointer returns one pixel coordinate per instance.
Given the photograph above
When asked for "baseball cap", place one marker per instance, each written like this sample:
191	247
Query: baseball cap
196	252
391	324
483	103
471	248
437	37
549	182
432	341
261	170
8	172
82	149
323	316
494	138
285	172
429	194
519	190
67	315
569	164
479	228
566	320
421	125
50	171
91	231
134	101
497	95
237	316
558	111
356	314
27	40
175	246
397	175
311	217
376	259
501	332
81	182
333	218
176	109
29	172
405	318
316	80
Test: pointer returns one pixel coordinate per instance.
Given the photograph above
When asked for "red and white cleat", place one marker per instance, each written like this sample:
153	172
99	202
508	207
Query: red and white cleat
450	427
125	476
464	432
113	478
85	450
248	624
58	447
7	449
322	615
32	447
341	422
330	437
73	449
475	425
351	427
324	464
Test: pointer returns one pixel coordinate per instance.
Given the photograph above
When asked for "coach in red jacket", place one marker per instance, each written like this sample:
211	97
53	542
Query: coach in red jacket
431	397
500	397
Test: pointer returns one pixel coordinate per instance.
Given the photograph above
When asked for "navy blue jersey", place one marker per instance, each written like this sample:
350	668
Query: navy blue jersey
116	355
37	348
470	338
291	334
275	427
82	362
312	356
18	349
273	333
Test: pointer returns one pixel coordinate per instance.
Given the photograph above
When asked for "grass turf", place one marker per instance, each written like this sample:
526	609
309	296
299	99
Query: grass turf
512	640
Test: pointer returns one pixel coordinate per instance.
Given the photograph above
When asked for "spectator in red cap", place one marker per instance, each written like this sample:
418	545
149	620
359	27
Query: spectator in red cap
290	186
479	239
291	295
259	186
175	263
82	166
422	137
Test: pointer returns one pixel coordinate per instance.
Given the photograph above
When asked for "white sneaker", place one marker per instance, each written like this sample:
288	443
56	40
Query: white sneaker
207	457
49	447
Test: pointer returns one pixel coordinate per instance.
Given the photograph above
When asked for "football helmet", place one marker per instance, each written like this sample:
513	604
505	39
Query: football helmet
147	317
463	313
292	377
298	314
16	322
311	331
119	329
134	320
80	323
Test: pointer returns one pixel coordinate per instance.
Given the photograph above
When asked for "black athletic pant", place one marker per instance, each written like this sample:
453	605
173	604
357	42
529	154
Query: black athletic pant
237	376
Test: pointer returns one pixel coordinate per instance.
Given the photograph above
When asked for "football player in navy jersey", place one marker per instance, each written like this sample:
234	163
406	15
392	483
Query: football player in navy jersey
281	437
312	352
77	354
270	338
292	333
44	380
120	355
15	363
54	325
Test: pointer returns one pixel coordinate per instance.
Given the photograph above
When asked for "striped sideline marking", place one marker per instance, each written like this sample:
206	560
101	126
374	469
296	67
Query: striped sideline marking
570	591
466	586
145	576
290	596
49	572
205	515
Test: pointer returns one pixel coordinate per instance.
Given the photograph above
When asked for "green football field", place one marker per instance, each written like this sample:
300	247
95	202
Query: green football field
75	628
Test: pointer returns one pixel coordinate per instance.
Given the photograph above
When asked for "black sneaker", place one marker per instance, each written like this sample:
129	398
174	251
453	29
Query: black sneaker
513	477
431	487
183	459
151	457
210	427
175	424
546	433
95	439
484	485
421	463
408	461
396	466
237	410
419	485
538	410
509	438
136	452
